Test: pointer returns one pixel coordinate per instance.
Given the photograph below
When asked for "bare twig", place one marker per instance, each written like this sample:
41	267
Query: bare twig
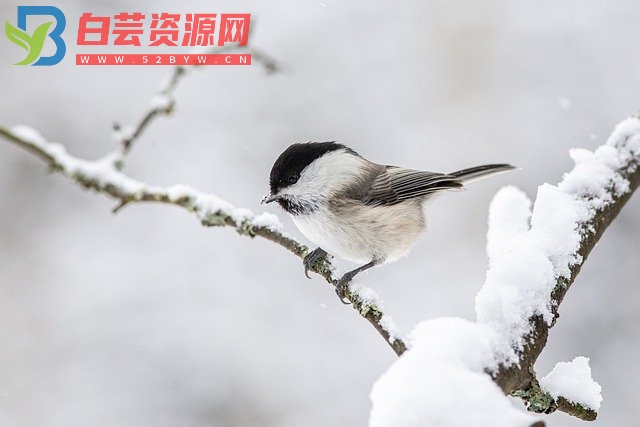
163	103
118	185
103	176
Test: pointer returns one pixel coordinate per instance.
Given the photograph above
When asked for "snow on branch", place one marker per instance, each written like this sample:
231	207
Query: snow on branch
105	176
457	372
572	381
534	257
566	223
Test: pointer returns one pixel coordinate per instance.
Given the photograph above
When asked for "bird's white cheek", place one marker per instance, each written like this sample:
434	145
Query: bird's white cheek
330	173
303	189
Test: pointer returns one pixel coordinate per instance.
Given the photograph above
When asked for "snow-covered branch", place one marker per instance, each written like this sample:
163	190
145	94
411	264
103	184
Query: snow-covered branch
535	256
105	176
566	223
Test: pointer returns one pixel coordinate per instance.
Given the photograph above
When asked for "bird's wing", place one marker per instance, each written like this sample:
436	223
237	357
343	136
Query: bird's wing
394	184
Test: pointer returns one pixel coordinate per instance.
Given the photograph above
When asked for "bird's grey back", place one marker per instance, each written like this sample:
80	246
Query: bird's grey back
389	185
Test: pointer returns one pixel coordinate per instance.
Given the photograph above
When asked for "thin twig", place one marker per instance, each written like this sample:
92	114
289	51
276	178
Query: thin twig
210	210
164	103
105	176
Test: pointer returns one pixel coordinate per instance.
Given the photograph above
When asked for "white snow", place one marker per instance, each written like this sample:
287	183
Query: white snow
389	325
104	172
268	220
28	134
161	102
595	175
572	380
555	225
241	215
370	298
208	204
367	295
525	263
441	380
626	137
509	216
179	191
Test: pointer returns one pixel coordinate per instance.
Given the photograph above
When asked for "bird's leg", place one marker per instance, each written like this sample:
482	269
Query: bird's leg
343	283
312	258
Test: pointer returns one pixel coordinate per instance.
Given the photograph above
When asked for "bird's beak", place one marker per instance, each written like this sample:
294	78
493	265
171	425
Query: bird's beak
269	198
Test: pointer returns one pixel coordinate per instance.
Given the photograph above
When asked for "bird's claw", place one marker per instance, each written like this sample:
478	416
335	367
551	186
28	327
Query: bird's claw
310	262
342	287
312	259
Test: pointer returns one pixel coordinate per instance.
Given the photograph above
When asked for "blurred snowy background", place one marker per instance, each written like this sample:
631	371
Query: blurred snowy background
146	318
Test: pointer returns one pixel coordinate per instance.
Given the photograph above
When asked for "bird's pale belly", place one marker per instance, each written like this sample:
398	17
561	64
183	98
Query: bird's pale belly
362	234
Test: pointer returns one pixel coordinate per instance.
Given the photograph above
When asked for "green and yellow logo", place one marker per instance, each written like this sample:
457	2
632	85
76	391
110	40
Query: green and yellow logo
33	43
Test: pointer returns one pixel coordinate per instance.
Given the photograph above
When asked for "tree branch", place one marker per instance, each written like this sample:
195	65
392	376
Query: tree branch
105	176
519	379
163	102
534	256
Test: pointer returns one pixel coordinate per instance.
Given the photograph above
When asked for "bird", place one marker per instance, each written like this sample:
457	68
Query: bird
355	209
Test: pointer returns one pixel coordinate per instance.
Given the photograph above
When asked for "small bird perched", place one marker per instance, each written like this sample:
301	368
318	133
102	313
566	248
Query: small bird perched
356	209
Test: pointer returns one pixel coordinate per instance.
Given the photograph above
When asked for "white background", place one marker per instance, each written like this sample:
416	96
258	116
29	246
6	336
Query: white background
146	319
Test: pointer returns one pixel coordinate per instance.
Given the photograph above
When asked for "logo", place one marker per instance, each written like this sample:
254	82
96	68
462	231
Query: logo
208	33
34	43
149	31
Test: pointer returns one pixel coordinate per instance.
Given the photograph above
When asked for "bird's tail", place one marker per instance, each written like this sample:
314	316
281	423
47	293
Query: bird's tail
472	174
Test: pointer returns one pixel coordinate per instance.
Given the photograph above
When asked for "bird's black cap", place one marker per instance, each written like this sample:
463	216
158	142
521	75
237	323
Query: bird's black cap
287	168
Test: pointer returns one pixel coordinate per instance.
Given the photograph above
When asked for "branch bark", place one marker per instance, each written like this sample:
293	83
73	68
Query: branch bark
520	379
105	176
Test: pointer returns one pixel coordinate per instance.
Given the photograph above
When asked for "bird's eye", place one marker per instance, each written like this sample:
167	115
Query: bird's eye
293	179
